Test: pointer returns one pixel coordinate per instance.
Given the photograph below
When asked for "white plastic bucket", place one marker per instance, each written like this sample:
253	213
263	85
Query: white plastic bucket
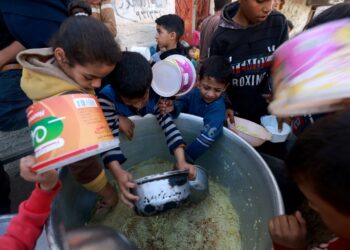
173	76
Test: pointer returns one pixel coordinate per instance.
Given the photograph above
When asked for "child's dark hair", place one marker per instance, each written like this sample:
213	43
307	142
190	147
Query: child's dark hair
132	76
219	4
99	237
79	8
320	157
217	67
86	40
336	12
172	23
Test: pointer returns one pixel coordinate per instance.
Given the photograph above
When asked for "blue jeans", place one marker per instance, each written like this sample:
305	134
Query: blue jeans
13	101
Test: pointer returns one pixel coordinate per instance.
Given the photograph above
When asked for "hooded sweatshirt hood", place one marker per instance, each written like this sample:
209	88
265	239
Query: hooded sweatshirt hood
229	11
227	14
42	78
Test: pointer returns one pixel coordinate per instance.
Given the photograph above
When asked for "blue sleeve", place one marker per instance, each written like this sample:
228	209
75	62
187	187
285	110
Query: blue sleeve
112	118
212	129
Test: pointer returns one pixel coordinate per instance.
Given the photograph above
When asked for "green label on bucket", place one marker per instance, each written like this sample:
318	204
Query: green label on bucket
46	130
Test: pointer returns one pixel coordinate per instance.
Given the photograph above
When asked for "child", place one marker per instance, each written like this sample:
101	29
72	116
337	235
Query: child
208	27
206	101
319	164
196	33
248	34
76	62
170	28
193	54
130	94
103	10
25	228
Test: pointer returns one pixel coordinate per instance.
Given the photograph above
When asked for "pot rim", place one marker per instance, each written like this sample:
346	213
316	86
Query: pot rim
159	176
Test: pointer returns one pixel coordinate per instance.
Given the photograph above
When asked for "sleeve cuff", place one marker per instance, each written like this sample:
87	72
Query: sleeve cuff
40	201
120	159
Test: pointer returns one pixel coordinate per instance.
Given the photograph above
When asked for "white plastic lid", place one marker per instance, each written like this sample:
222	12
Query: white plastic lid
166	78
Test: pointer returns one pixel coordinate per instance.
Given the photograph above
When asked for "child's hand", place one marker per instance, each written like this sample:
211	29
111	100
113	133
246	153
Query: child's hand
230	118
281	120
192	170
165	106
127	127
231	126
182	164
268	97
125	181
47	180
289	231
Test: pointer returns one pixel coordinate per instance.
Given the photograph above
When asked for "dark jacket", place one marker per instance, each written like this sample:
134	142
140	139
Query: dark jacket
250	51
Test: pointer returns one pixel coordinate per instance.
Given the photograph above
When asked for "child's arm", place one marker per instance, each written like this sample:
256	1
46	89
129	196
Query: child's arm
182	164
288	232
125	182
212	129
107	16
112	118
114	158
26	227
175	142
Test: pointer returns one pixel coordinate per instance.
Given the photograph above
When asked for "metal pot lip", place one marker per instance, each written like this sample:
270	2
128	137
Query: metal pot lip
201	168
160	176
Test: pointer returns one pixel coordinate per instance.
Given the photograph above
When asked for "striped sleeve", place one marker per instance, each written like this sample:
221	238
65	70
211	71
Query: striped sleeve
172	134
112	118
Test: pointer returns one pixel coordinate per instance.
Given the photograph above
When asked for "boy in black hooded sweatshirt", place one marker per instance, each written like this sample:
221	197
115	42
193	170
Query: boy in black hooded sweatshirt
249	32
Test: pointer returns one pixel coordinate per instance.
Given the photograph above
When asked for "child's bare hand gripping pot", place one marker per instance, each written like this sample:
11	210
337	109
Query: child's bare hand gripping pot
289	231
125	182
47	180
182	164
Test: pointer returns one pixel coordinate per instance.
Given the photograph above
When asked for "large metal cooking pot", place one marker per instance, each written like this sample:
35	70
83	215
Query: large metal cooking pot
231	161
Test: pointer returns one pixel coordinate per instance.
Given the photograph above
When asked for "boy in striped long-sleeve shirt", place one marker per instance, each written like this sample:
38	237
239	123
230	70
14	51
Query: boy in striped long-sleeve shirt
129	93
205	101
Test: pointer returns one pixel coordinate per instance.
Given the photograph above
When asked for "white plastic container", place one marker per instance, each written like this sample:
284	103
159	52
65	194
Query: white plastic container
173	76
271	124
250	131
143	51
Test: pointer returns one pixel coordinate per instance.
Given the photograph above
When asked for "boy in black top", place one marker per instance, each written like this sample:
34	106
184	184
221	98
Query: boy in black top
170	29
248	34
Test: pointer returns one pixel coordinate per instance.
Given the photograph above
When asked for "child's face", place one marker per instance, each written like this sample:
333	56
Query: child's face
163	37
337	222
192	53
137	103
211	89
88	76
256	11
